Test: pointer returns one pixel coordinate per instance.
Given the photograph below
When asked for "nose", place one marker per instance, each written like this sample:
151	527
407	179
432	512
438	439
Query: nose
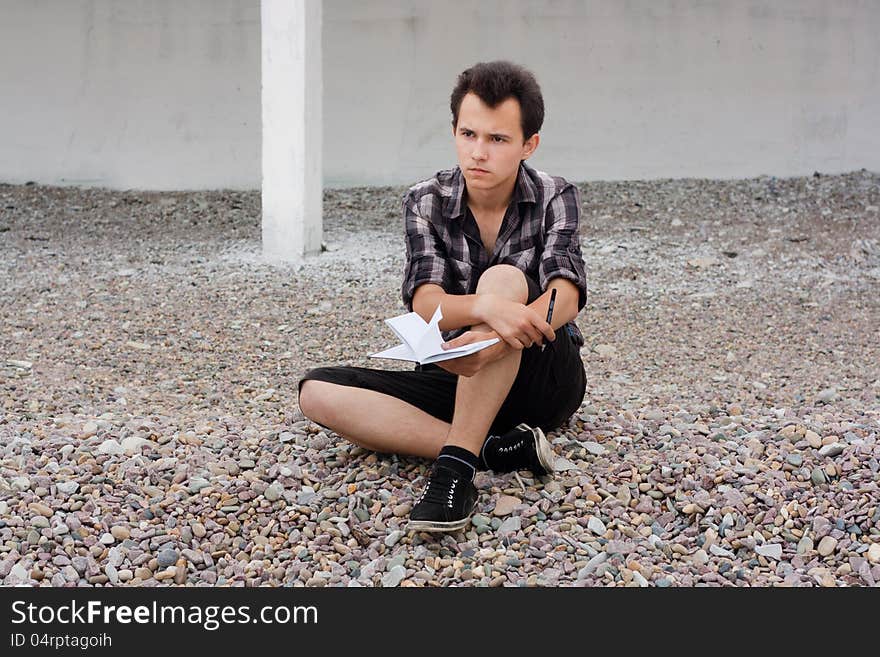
479	152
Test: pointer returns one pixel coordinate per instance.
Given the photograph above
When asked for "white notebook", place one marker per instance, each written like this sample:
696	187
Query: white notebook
421	342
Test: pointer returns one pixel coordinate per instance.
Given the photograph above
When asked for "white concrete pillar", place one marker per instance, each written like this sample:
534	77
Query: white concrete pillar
292	142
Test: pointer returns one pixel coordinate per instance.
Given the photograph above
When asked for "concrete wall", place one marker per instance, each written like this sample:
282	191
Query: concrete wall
638	89
162	94
153	94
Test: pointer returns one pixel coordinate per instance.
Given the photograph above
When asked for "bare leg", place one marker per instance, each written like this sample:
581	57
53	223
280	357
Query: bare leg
478	398
364	417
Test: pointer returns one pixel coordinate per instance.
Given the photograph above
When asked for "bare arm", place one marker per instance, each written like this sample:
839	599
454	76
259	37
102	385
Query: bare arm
565	308
458	309
513	322
469	309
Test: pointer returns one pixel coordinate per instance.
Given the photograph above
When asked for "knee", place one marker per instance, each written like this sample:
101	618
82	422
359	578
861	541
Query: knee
504	280
313	400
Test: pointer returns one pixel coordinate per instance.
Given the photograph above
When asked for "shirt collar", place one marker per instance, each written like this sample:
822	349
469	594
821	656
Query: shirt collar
523	191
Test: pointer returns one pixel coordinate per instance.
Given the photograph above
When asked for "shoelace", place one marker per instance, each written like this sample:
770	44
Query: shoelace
516	447
440	489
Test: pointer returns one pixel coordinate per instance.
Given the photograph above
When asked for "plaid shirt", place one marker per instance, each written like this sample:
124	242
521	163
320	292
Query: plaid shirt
538	235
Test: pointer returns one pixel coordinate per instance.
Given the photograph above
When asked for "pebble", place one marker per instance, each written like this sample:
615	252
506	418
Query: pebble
639	579
479	520
594	448
592	565
114	556
133	444
67	487
505	505
120	533
167	558
719	551
41	509
306	495
17	576
596	526
110	447
827	395
510	525
605	350
813	439
770	550
393	577
273	492
832	449
805	545
393	538
827	546
20	483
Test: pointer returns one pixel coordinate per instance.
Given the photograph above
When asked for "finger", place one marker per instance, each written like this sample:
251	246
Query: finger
543	326
460	341
535	336
514	342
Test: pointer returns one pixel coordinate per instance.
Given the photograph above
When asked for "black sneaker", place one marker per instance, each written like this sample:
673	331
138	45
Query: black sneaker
521	448
446	503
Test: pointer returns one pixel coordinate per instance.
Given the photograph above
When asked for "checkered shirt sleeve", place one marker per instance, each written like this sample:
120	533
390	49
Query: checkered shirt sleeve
562	249
425	254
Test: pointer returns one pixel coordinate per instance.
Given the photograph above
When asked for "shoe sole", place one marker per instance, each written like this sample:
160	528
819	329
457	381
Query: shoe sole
546	455
436	526
439	526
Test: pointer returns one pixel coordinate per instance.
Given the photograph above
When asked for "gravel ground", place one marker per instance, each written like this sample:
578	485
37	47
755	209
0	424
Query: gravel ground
150	434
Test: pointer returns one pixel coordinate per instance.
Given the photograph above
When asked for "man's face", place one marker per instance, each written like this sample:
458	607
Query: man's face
489	142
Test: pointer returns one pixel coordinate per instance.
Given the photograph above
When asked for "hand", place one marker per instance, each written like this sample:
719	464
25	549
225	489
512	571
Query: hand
467	366
518	325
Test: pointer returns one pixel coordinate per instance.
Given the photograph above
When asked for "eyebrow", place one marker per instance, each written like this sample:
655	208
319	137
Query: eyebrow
493	134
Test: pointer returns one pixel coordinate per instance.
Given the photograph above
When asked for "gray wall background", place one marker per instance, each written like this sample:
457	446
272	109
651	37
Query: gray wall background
162	94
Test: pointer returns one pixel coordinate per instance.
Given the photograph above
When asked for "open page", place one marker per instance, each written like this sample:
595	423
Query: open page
423	342
431	340
408	328
466	350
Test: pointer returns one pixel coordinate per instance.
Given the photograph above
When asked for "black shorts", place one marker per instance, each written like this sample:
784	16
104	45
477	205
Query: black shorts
549	386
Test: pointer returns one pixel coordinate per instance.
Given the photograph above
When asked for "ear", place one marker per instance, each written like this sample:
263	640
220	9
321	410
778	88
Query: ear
530	145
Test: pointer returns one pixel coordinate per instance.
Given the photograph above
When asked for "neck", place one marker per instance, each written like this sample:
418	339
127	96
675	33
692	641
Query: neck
492	200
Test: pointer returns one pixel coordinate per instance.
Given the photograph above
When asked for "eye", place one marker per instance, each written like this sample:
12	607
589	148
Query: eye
498	139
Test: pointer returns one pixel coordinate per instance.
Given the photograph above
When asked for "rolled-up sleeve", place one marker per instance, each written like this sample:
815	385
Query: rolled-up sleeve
562	249
425	256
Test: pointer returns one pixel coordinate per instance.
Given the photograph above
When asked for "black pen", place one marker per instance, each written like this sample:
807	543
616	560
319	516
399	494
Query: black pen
550	312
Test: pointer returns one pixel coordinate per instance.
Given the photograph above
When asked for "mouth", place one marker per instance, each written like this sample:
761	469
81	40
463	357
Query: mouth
478	170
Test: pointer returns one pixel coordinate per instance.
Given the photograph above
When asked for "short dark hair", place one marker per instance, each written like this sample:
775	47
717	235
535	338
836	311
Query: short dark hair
495	82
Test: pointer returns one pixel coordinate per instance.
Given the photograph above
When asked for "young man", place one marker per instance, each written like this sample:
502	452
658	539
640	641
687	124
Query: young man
487	241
